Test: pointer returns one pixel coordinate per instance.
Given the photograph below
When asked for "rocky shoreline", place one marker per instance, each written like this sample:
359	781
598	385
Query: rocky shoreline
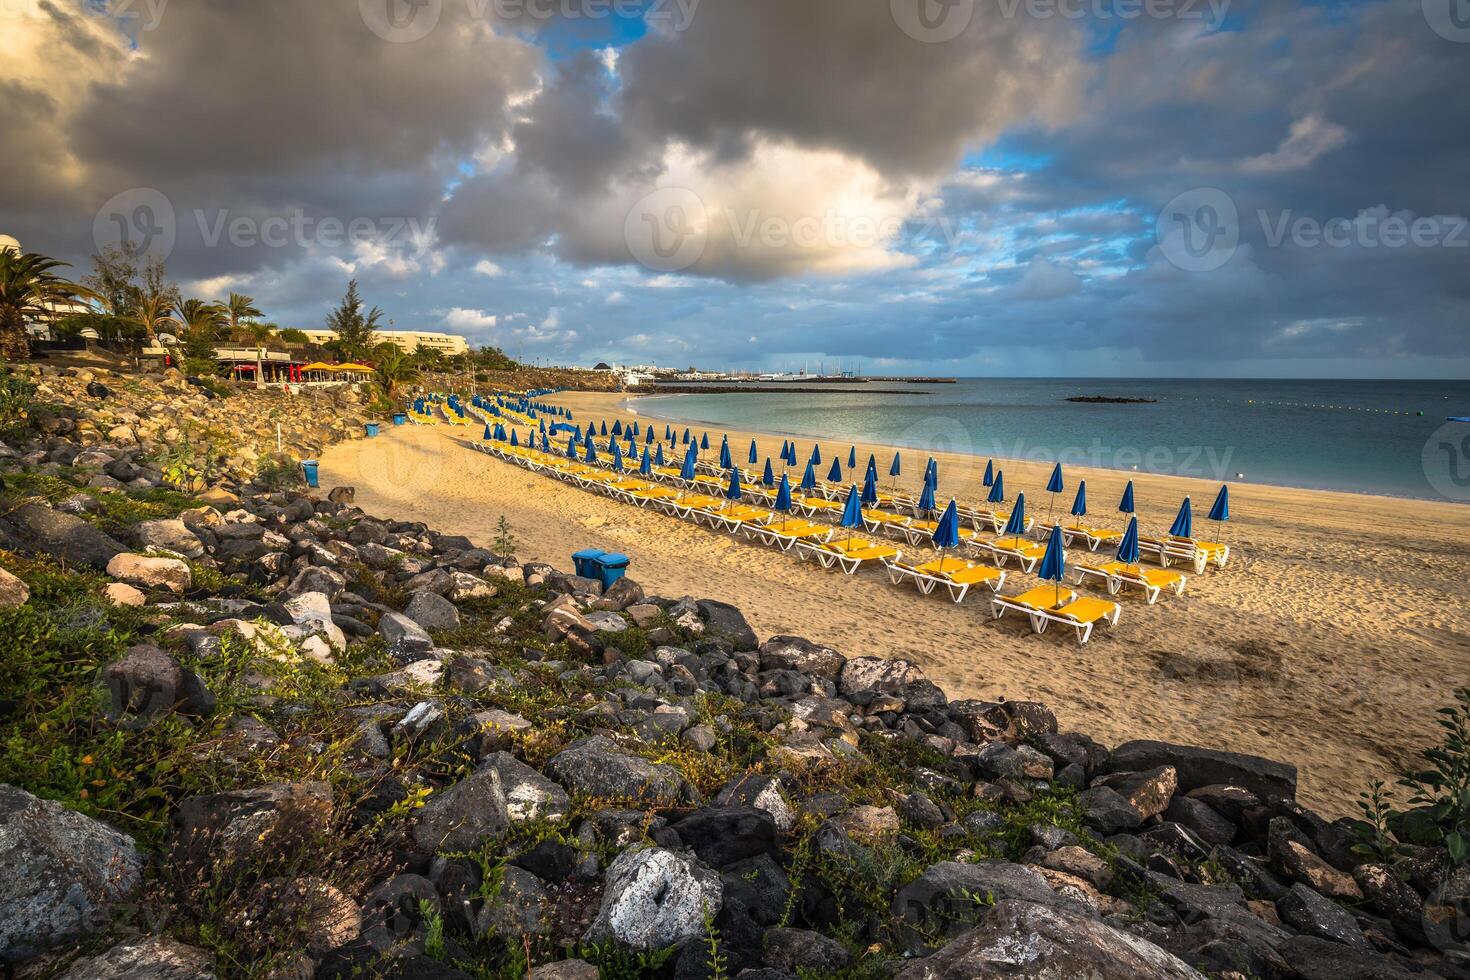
253	732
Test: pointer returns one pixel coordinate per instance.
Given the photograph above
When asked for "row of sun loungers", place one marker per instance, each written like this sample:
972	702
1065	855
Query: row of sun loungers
803	531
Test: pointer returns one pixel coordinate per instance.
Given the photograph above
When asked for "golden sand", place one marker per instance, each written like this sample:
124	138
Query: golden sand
1339	626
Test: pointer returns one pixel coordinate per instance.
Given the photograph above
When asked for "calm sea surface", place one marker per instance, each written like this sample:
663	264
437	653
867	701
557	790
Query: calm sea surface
1364	436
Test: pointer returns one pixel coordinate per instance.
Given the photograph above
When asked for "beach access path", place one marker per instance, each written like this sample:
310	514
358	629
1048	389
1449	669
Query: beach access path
1339	627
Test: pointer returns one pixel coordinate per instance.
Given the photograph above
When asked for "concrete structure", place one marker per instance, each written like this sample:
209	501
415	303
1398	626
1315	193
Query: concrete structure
409	340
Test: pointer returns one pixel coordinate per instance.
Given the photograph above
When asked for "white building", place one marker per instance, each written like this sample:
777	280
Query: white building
409	340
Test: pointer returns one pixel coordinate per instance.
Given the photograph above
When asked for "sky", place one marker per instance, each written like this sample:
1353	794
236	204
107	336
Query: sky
1193	188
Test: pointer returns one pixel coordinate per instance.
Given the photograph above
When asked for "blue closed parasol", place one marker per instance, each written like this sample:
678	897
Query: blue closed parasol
1016	525
1079	504
1054	562
997	489
1183	526
783	496
834	475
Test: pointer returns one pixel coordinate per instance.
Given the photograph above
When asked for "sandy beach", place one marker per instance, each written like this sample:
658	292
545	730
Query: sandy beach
1337	629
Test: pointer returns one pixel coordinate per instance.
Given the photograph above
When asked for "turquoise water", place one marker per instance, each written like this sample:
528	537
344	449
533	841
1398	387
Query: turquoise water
1363	436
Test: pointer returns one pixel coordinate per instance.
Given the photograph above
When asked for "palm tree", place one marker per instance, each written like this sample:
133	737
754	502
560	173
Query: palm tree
394	368
153	312
243	318
29	289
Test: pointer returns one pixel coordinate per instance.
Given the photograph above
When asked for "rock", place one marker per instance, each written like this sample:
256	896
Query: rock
316	578
151	573
1080	863
1292	855
1197	767
147	682
432	611
921	811
1212	826
169	535
465	586
313	611
146	958
802	655
64	536
877	675
564	970
1320	959
949	897
764	792
483	805
798	949
499	729
723	619
13	592
594	766
122	594
1020	939
1107	811
1007	721
407	641
868	824
654	898
722	835
223	830
307	909
63	874
517	909
1309	912
1392	899
1148	792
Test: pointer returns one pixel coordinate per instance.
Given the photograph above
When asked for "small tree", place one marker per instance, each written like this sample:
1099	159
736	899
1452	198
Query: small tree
354	330
394	368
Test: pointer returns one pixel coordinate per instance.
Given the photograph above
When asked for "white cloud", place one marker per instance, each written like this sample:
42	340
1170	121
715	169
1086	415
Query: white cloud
488	269
1309	138
463	319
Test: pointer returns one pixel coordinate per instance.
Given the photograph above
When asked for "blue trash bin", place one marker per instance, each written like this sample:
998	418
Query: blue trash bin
611	567
372	429
585	562
400	418
308	469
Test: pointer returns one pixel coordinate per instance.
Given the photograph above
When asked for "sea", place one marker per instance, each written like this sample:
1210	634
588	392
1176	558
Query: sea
1379	437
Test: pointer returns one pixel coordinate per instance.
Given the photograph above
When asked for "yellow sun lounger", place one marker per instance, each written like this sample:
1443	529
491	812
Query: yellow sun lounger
1093	536
733	516
847	553
996	520
785	534
885	520
813	504
1026	553
955	574
920	531
1039	599
1153	581
1080	614
1200	554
